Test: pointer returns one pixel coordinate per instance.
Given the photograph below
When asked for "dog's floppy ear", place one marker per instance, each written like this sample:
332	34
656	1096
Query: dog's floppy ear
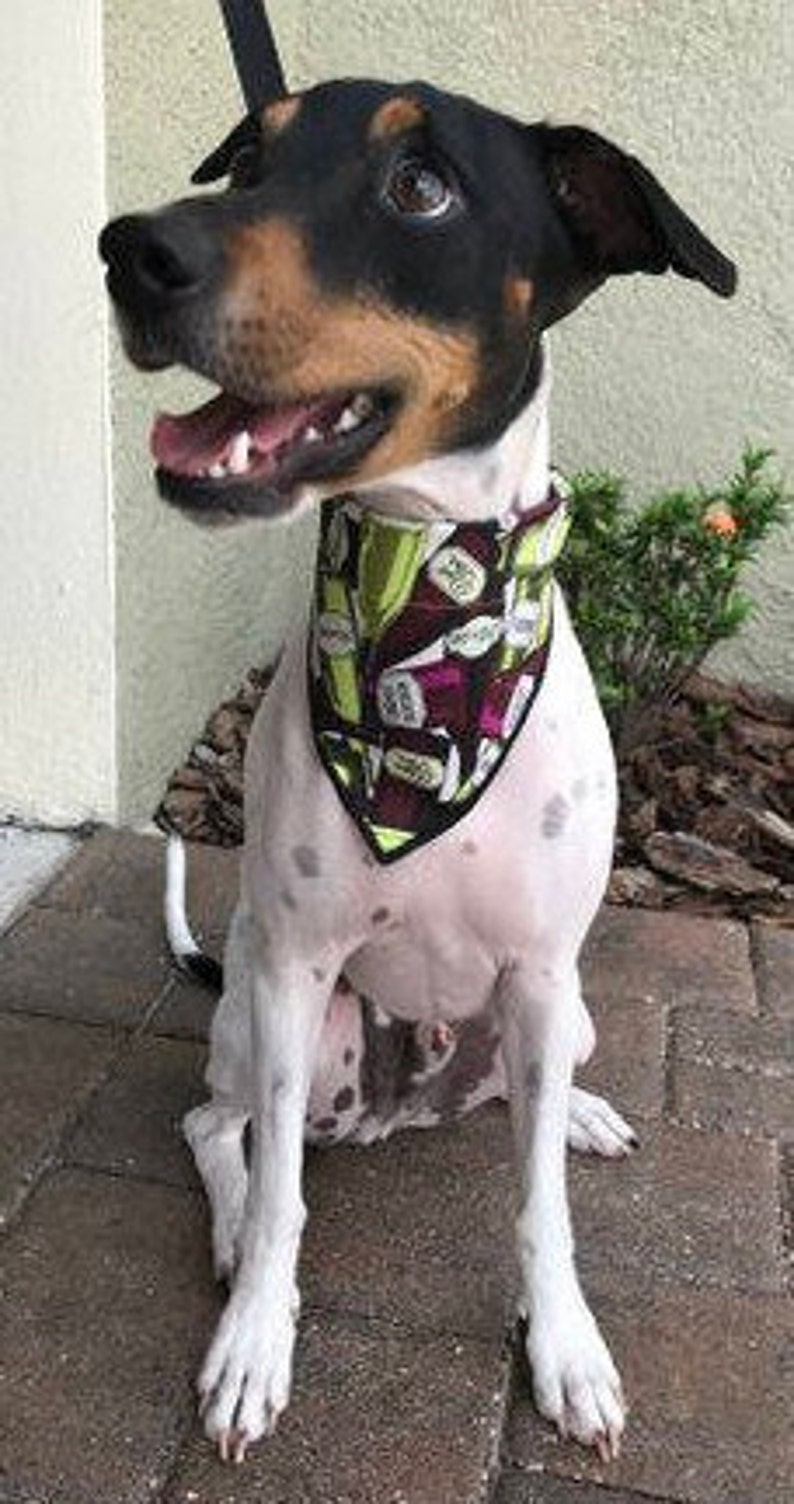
219	161
620	217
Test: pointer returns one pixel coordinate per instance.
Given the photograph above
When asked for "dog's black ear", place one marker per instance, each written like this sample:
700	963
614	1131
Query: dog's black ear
219	161
620	217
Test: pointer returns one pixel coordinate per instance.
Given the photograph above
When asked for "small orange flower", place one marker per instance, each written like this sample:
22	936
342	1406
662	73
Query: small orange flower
719	520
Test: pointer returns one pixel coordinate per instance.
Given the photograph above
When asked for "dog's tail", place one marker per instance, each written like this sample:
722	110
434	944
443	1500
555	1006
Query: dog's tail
186	952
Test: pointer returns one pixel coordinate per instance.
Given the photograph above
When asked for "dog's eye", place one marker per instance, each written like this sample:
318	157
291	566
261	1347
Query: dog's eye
417	190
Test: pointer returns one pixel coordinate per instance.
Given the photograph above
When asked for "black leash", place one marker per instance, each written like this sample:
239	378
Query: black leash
254	51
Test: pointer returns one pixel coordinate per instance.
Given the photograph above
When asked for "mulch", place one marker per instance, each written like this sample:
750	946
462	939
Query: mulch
707	799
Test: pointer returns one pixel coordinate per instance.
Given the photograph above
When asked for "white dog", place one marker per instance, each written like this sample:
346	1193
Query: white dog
430	790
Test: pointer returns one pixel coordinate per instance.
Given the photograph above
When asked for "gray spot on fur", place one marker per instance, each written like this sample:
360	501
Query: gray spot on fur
349	1056
318	974
555	816
306	860
287	899
579	789
380	916
470	848
344	1099
532	1079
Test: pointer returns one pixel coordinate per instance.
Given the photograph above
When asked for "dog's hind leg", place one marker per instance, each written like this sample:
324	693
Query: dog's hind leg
215	1130
594	1127
575	1381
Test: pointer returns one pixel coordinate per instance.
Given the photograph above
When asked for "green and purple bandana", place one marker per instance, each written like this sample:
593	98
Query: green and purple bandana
428	645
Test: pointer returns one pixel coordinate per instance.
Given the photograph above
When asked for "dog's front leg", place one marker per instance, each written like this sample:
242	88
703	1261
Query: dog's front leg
575	1381
245	1380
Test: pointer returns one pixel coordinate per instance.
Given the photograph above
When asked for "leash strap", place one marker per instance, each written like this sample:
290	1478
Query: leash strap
254	51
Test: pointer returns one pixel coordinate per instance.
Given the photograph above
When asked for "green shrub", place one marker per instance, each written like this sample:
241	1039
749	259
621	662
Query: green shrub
652	589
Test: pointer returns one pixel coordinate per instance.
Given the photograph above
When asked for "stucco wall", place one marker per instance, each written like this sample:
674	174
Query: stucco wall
56	581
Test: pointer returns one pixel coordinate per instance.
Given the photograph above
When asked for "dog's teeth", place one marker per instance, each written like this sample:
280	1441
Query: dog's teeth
347	421
312	435
217	471
237	460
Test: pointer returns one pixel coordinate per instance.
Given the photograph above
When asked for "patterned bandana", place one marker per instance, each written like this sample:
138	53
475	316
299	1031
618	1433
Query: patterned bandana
428	644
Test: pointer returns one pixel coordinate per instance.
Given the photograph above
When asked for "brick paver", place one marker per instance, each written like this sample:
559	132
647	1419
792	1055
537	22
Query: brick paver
133	1127
107	1301
708	1376
773	951
402	1393
673	958
90	968
415	1231
378	1414
47	1069
734	1073
186	1009
687	1209
635	1076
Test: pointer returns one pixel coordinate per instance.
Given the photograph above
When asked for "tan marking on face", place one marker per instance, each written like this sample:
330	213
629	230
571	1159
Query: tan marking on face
395	117
278	116
517	293
302	342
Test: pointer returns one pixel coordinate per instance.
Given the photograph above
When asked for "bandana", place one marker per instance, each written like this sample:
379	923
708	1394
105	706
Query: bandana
428	644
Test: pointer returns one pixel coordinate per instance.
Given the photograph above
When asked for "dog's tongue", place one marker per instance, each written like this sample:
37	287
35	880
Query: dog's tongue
189	444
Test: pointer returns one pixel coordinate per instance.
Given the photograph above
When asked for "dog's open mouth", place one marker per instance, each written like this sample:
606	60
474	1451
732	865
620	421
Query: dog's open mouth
232	457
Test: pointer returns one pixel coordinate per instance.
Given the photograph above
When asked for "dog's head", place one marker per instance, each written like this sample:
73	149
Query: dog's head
371	286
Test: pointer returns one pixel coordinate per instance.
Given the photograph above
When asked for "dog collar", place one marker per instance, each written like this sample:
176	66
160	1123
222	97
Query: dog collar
428	643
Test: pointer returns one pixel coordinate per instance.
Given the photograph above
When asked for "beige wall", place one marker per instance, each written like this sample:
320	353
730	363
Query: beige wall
121	624
56	582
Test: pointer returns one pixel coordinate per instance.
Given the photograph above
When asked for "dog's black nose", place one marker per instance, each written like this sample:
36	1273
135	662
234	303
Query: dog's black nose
157	257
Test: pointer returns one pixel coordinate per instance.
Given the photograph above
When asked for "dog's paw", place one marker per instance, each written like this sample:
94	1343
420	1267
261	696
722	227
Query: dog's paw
594	1127
245	1382
575	1382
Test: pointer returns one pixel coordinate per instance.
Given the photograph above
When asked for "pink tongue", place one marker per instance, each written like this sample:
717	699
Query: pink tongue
188	444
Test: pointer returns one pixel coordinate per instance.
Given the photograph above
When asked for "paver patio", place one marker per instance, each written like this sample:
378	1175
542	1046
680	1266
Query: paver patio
409	1386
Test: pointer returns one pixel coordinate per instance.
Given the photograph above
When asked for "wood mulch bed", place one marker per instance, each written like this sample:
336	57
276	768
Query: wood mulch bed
707	799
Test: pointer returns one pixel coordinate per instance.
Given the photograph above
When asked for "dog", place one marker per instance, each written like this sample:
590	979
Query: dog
430	790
